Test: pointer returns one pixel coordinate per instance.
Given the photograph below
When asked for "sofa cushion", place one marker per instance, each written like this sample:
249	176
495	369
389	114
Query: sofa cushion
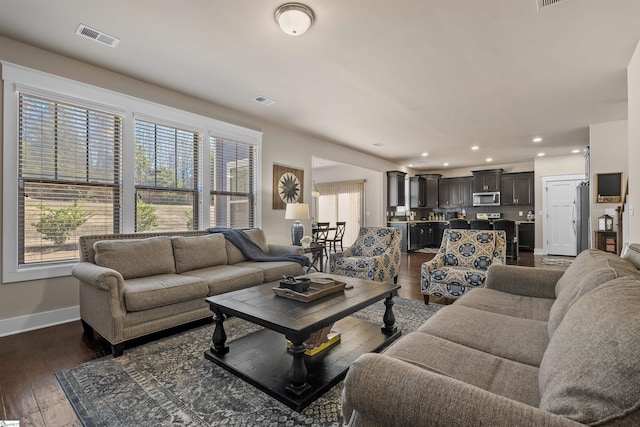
227	278
492	373
274	270
520	340
136	257
234	255
192	253
590	269
470	249
590	370
144	293
506	303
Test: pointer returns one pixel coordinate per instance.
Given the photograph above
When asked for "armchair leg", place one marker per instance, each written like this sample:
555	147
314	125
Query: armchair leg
426	298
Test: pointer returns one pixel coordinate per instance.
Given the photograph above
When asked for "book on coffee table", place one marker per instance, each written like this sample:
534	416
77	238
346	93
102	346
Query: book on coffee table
332	338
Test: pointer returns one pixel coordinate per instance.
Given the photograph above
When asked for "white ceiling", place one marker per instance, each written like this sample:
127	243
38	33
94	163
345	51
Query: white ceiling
411	76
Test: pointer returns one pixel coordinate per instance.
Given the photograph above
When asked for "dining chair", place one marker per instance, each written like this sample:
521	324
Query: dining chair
321	235
337	237
480	224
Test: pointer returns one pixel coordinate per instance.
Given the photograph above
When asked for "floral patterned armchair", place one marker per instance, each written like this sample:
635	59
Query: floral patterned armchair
375	255
462	262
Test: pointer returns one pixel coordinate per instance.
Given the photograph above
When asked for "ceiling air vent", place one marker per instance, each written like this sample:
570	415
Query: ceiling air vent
264	100
98	36
545	3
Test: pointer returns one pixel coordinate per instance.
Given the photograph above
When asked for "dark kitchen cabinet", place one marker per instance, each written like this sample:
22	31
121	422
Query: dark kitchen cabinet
486	180
420	235
432	184
455	192
444	193
517	189
526	236
395	188
439	228
417	192
402	226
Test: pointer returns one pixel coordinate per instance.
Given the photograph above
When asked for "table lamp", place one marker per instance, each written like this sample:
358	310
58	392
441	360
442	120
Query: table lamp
297	211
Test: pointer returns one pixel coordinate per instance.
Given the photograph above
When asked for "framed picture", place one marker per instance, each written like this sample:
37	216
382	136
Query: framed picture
288	186
609	187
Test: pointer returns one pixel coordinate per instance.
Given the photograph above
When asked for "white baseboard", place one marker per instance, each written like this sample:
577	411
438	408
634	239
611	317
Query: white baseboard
15	325
538	251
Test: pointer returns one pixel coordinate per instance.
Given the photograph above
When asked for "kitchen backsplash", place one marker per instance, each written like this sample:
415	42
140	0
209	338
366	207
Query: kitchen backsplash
508	212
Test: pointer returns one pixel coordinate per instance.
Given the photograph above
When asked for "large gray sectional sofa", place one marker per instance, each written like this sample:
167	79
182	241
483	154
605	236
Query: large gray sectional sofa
133	285
535	347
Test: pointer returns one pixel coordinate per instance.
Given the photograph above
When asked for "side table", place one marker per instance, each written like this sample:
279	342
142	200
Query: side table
317	257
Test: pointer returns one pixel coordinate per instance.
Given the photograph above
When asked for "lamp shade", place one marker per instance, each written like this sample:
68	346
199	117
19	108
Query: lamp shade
297	211
294	18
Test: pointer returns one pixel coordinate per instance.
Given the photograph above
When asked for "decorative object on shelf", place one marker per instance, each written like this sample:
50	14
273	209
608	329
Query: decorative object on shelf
294	18
288	186
314	191
605	223
297	211
306	241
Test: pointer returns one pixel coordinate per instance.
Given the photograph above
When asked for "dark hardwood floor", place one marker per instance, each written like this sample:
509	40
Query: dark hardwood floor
29	390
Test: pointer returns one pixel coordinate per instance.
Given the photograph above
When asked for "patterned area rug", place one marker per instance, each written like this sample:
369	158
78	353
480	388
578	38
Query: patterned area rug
556	261
169	382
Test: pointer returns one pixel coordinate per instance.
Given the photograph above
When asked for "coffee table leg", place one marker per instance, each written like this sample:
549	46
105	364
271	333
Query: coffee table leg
219	335
389	318
298	370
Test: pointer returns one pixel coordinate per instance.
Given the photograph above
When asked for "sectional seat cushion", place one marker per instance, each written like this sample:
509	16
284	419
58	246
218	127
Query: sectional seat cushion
136	257
590	371
227	278
234	255
501	376
192	253
520	340
590	269
508	304
165	289
274	270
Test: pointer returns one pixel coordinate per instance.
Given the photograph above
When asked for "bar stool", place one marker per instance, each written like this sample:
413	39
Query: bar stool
480	224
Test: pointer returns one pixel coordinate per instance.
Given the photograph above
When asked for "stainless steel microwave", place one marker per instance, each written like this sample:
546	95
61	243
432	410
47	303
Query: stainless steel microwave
486	199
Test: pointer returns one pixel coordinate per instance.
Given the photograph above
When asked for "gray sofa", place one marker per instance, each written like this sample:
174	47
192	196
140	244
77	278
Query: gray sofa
133	285
535	347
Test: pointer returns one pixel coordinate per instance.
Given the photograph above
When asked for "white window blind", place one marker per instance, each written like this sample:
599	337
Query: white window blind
233	184
166	177
342	201
68	177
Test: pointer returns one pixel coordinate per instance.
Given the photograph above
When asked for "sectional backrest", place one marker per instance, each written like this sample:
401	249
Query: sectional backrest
590	269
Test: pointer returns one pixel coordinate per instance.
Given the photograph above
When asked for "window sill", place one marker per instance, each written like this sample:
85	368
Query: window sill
37	272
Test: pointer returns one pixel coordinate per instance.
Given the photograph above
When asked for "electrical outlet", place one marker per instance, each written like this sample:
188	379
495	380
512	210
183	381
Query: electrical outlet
520	213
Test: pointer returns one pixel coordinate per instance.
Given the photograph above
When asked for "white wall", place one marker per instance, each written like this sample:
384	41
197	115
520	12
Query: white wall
280	145
633	146
374	198
608	143
552	166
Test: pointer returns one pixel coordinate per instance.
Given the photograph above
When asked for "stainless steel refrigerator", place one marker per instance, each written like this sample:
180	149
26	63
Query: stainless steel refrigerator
582	217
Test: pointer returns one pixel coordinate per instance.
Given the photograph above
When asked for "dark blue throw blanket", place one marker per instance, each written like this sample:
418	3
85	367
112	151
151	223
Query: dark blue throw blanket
252	251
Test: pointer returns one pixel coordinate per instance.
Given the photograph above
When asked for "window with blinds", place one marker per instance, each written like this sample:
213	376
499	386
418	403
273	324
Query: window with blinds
68	177
233	184
166	177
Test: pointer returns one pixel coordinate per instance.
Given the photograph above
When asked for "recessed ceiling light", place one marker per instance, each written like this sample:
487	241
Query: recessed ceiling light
424	154
410	165
489	159
575	151
445	164
537	139
475	147
540	154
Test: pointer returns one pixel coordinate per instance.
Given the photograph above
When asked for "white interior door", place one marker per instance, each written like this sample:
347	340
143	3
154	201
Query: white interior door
561	217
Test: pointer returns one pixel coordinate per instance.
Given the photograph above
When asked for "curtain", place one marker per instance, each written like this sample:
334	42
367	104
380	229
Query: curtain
342	201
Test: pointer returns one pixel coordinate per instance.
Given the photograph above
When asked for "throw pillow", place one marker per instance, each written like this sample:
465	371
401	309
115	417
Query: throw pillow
136	257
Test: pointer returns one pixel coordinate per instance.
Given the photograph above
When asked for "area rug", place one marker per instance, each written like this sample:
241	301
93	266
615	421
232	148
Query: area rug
556	261
428	250
168	382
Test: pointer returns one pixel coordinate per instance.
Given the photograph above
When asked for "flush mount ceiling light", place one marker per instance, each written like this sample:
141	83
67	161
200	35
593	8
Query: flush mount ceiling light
294	18
537	139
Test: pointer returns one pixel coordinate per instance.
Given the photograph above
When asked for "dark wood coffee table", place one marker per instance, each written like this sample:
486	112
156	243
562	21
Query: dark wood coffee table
295	379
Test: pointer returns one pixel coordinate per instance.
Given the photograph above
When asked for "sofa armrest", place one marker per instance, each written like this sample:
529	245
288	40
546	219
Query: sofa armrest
526	281
285	250
99	277
383	391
